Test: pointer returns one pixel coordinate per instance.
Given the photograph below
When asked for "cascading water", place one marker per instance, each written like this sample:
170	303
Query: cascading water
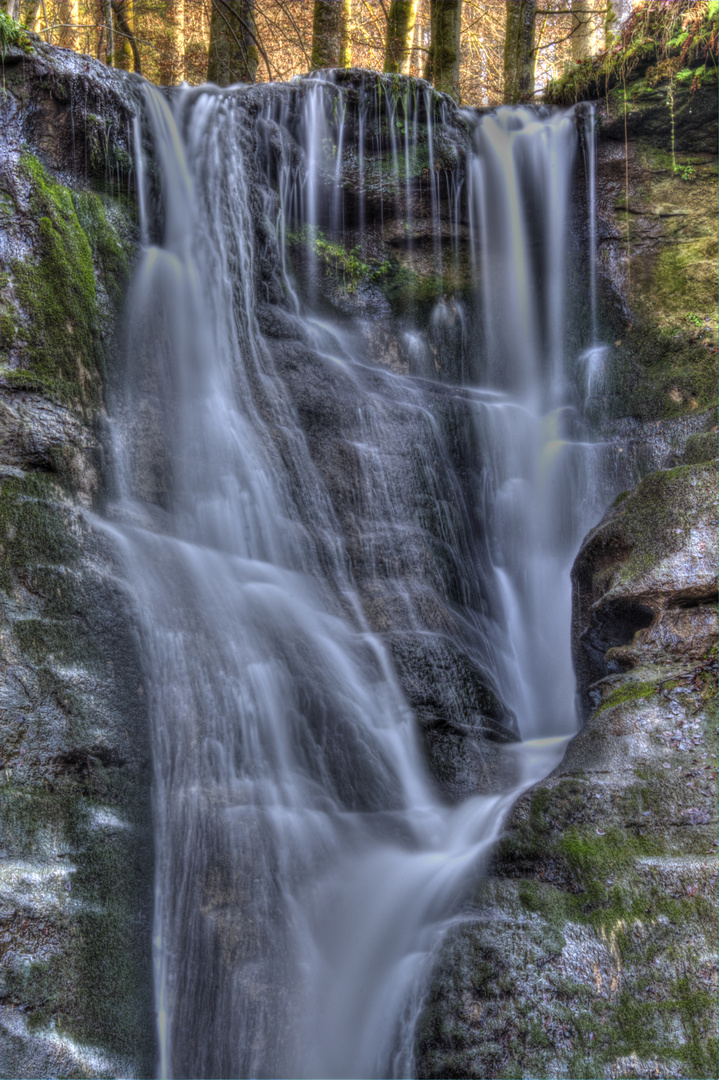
306	866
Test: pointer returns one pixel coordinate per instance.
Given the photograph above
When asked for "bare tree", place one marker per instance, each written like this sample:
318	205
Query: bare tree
519	50
587	27
68	15
32	18
400	30
127	52
330	34
172	43
234	55
443	60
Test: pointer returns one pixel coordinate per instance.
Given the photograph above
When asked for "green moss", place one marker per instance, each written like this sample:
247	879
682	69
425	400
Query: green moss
65	641
32	527
701	447
97	989
12	33
407	290
685	278
7	331
344	265
654	521
111	255
628	691
554	905
656	42
57	291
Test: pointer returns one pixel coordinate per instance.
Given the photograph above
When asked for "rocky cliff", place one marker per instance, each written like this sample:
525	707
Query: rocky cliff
76	892
591	950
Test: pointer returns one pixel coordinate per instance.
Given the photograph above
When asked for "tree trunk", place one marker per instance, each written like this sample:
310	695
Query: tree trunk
445	20
68	16
172	43
110	47
12	8
33	15
233	51
519	51
587	27
330	34
400	28
127	53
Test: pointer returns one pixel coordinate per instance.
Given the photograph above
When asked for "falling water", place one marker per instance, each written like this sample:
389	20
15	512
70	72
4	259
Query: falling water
306	863
594	359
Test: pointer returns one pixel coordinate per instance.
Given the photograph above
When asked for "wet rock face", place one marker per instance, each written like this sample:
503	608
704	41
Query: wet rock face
644	582
655	105
74	111
591	950
411	535
657	250
76	848
399	465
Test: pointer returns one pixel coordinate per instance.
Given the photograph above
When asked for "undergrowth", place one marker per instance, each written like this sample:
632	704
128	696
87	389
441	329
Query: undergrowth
676	39
11	33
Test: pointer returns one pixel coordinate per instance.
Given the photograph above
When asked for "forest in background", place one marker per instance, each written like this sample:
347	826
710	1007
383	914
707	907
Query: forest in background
482	52
480	46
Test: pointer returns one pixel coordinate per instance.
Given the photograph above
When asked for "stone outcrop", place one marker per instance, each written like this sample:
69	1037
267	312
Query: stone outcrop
645	580
591	950
76	849
657	254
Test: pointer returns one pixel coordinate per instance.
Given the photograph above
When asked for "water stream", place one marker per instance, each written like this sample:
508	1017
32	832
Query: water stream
307	863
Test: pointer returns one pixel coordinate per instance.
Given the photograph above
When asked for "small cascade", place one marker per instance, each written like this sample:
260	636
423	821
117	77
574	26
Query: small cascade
303	532
593	361
374	159
590	152
539	471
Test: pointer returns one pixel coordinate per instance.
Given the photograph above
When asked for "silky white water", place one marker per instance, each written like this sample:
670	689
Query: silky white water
306	863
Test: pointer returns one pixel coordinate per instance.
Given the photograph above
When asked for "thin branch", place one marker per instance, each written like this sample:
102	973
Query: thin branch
296	28
575	11
218	8
258	43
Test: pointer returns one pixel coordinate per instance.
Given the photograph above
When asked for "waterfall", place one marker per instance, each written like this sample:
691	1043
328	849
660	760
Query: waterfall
307	864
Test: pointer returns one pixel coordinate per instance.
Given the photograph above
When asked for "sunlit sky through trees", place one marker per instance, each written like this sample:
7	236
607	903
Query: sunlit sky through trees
170	39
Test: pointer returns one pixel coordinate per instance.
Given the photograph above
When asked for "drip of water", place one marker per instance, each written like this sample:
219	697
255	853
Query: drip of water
306	867
590	150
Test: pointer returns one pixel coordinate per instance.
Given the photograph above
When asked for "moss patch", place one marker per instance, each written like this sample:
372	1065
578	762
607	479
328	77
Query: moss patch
628	691
345	266
12	34
32	528
111	255
660	511
63	351
657	40
700	448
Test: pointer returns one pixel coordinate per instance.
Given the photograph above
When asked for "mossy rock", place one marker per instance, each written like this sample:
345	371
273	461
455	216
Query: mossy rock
59	331
701	447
